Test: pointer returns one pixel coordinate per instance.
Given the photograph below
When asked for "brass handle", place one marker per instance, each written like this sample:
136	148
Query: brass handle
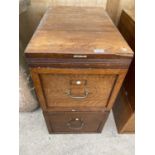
75	123
78	97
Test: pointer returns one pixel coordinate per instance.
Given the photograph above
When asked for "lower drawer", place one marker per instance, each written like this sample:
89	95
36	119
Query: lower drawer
75	122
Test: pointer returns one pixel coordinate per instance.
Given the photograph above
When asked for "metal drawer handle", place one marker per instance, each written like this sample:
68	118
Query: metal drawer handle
78	97
75	123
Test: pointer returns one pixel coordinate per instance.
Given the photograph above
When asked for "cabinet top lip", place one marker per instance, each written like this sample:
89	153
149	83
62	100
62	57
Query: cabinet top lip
77	31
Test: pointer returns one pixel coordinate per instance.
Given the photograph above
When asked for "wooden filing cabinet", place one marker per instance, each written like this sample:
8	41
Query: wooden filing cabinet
124	108
78	61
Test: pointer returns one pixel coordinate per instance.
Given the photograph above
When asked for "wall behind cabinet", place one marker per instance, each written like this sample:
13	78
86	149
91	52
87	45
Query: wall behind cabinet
115	7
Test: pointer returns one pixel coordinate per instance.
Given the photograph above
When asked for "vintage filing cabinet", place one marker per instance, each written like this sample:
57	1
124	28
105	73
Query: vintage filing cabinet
78	61
124	108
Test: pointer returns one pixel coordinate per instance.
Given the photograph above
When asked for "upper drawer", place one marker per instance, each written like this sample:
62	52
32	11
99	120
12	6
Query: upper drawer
62	90
76	89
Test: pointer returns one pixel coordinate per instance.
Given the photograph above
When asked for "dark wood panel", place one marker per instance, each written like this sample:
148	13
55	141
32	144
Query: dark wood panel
82	63
75	122
124	114
124	109
126	26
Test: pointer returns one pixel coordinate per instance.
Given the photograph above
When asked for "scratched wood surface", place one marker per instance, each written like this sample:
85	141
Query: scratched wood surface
78	30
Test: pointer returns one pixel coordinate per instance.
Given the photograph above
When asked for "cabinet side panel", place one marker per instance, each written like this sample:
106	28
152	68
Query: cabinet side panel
116	88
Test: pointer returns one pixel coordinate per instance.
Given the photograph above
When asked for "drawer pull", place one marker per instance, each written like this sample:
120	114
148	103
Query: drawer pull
75	123
78	97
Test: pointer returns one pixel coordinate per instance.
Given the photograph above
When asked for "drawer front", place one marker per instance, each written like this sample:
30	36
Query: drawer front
75	122
65	90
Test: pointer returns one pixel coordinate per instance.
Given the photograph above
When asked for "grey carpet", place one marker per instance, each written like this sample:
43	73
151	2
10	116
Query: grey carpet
35	140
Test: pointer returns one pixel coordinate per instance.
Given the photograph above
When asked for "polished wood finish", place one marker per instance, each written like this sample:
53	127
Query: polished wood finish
124	109
75	122
78	61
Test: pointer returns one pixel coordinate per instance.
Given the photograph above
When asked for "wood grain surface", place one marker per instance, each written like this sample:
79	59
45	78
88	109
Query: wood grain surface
78	61
52	86
78	30
57	88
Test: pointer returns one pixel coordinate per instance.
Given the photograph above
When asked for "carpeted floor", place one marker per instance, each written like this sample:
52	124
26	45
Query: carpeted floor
35	140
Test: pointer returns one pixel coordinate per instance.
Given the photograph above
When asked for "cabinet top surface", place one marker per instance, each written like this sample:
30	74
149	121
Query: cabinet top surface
77	30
